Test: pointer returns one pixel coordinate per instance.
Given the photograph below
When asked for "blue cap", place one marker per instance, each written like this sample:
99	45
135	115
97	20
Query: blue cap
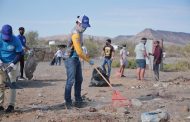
6	32
85	22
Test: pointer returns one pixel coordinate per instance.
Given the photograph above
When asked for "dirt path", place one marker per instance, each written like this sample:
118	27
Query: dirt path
42	99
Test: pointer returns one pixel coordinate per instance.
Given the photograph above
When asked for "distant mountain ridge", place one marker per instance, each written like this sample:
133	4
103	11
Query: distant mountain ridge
179	38
168	36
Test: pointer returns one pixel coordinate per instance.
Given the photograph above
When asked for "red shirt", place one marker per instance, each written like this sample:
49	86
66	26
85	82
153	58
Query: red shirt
157	54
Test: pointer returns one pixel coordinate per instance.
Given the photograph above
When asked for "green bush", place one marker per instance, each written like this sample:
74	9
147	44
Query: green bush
179	66
92	48
132	64
116	63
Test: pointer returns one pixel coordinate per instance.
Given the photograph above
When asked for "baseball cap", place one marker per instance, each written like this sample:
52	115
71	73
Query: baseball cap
6	32
84	21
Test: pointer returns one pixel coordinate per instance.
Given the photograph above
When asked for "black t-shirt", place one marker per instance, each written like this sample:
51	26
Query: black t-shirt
108	49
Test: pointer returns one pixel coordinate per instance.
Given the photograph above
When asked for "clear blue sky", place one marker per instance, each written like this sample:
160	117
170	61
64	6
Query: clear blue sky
107	17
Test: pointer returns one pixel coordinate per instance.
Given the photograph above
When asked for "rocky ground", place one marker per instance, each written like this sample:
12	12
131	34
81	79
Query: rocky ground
41	99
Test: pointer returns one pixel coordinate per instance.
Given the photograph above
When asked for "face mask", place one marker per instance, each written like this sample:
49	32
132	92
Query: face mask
107	43
21	32
124	48
81	29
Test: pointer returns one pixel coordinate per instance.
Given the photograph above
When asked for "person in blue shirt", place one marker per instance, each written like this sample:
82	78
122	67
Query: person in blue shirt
25	48
10	53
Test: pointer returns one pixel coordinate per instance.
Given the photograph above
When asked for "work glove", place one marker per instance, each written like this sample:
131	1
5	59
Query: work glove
91	62
10	67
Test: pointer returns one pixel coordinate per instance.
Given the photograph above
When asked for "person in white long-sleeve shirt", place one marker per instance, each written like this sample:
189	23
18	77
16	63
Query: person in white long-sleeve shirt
58	56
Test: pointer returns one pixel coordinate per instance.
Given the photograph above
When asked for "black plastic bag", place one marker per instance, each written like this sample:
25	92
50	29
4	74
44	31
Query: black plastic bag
97	80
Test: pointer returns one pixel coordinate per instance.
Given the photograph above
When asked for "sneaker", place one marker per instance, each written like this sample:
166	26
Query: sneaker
1	108
68	105
123	76
9	109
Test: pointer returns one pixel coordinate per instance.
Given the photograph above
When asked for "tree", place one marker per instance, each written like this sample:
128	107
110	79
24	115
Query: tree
92	47
32	38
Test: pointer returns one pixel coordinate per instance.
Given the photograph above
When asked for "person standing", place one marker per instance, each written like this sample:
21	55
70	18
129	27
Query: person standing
25	48
73	64
10	53
157	59
108	53
141	55
123	60
58	56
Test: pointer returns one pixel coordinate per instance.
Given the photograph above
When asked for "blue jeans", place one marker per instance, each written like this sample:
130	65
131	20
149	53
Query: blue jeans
58	60
108	62
74	76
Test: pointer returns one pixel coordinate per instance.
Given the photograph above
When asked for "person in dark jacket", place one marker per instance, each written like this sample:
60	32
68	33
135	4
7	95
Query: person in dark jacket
25	48
157	59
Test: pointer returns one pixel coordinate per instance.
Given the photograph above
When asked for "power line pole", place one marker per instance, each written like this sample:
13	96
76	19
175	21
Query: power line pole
162	46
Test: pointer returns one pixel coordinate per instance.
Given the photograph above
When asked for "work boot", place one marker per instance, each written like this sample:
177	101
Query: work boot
1	108
9	109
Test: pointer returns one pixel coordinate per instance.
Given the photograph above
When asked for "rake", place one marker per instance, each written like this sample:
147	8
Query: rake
117	99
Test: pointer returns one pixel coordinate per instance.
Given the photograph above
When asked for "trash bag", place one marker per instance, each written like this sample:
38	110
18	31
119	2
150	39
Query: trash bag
30	65
53	61
97	80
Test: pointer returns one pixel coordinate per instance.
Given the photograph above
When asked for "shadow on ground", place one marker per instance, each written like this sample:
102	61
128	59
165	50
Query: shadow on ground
38	83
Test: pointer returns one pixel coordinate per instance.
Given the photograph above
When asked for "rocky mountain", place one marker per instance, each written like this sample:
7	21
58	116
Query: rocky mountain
121	38
179	38
65	37
168	36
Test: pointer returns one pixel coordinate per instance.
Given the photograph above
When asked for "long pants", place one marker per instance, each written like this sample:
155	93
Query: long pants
21	65
58	60
108	62
156	71
13	75
74	76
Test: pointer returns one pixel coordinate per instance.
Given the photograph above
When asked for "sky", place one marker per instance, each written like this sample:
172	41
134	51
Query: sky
107	17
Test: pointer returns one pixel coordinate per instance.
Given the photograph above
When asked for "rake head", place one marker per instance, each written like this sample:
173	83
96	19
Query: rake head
119	101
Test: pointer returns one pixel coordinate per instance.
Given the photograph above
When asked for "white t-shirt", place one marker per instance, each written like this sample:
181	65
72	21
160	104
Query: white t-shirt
123	54
123	58
139	50
59	53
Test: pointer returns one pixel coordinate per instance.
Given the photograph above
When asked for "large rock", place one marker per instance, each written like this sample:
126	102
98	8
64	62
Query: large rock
155	116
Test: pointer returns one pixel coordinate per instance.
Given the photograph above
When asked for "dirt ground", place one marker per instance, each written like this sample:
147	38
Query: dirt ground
41	99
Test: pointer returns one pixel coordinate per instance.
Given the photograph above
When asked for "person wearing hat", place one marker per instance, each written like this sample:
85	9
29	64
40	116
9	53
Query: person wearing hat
73	64
25	48
10	53
141	55
108	53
